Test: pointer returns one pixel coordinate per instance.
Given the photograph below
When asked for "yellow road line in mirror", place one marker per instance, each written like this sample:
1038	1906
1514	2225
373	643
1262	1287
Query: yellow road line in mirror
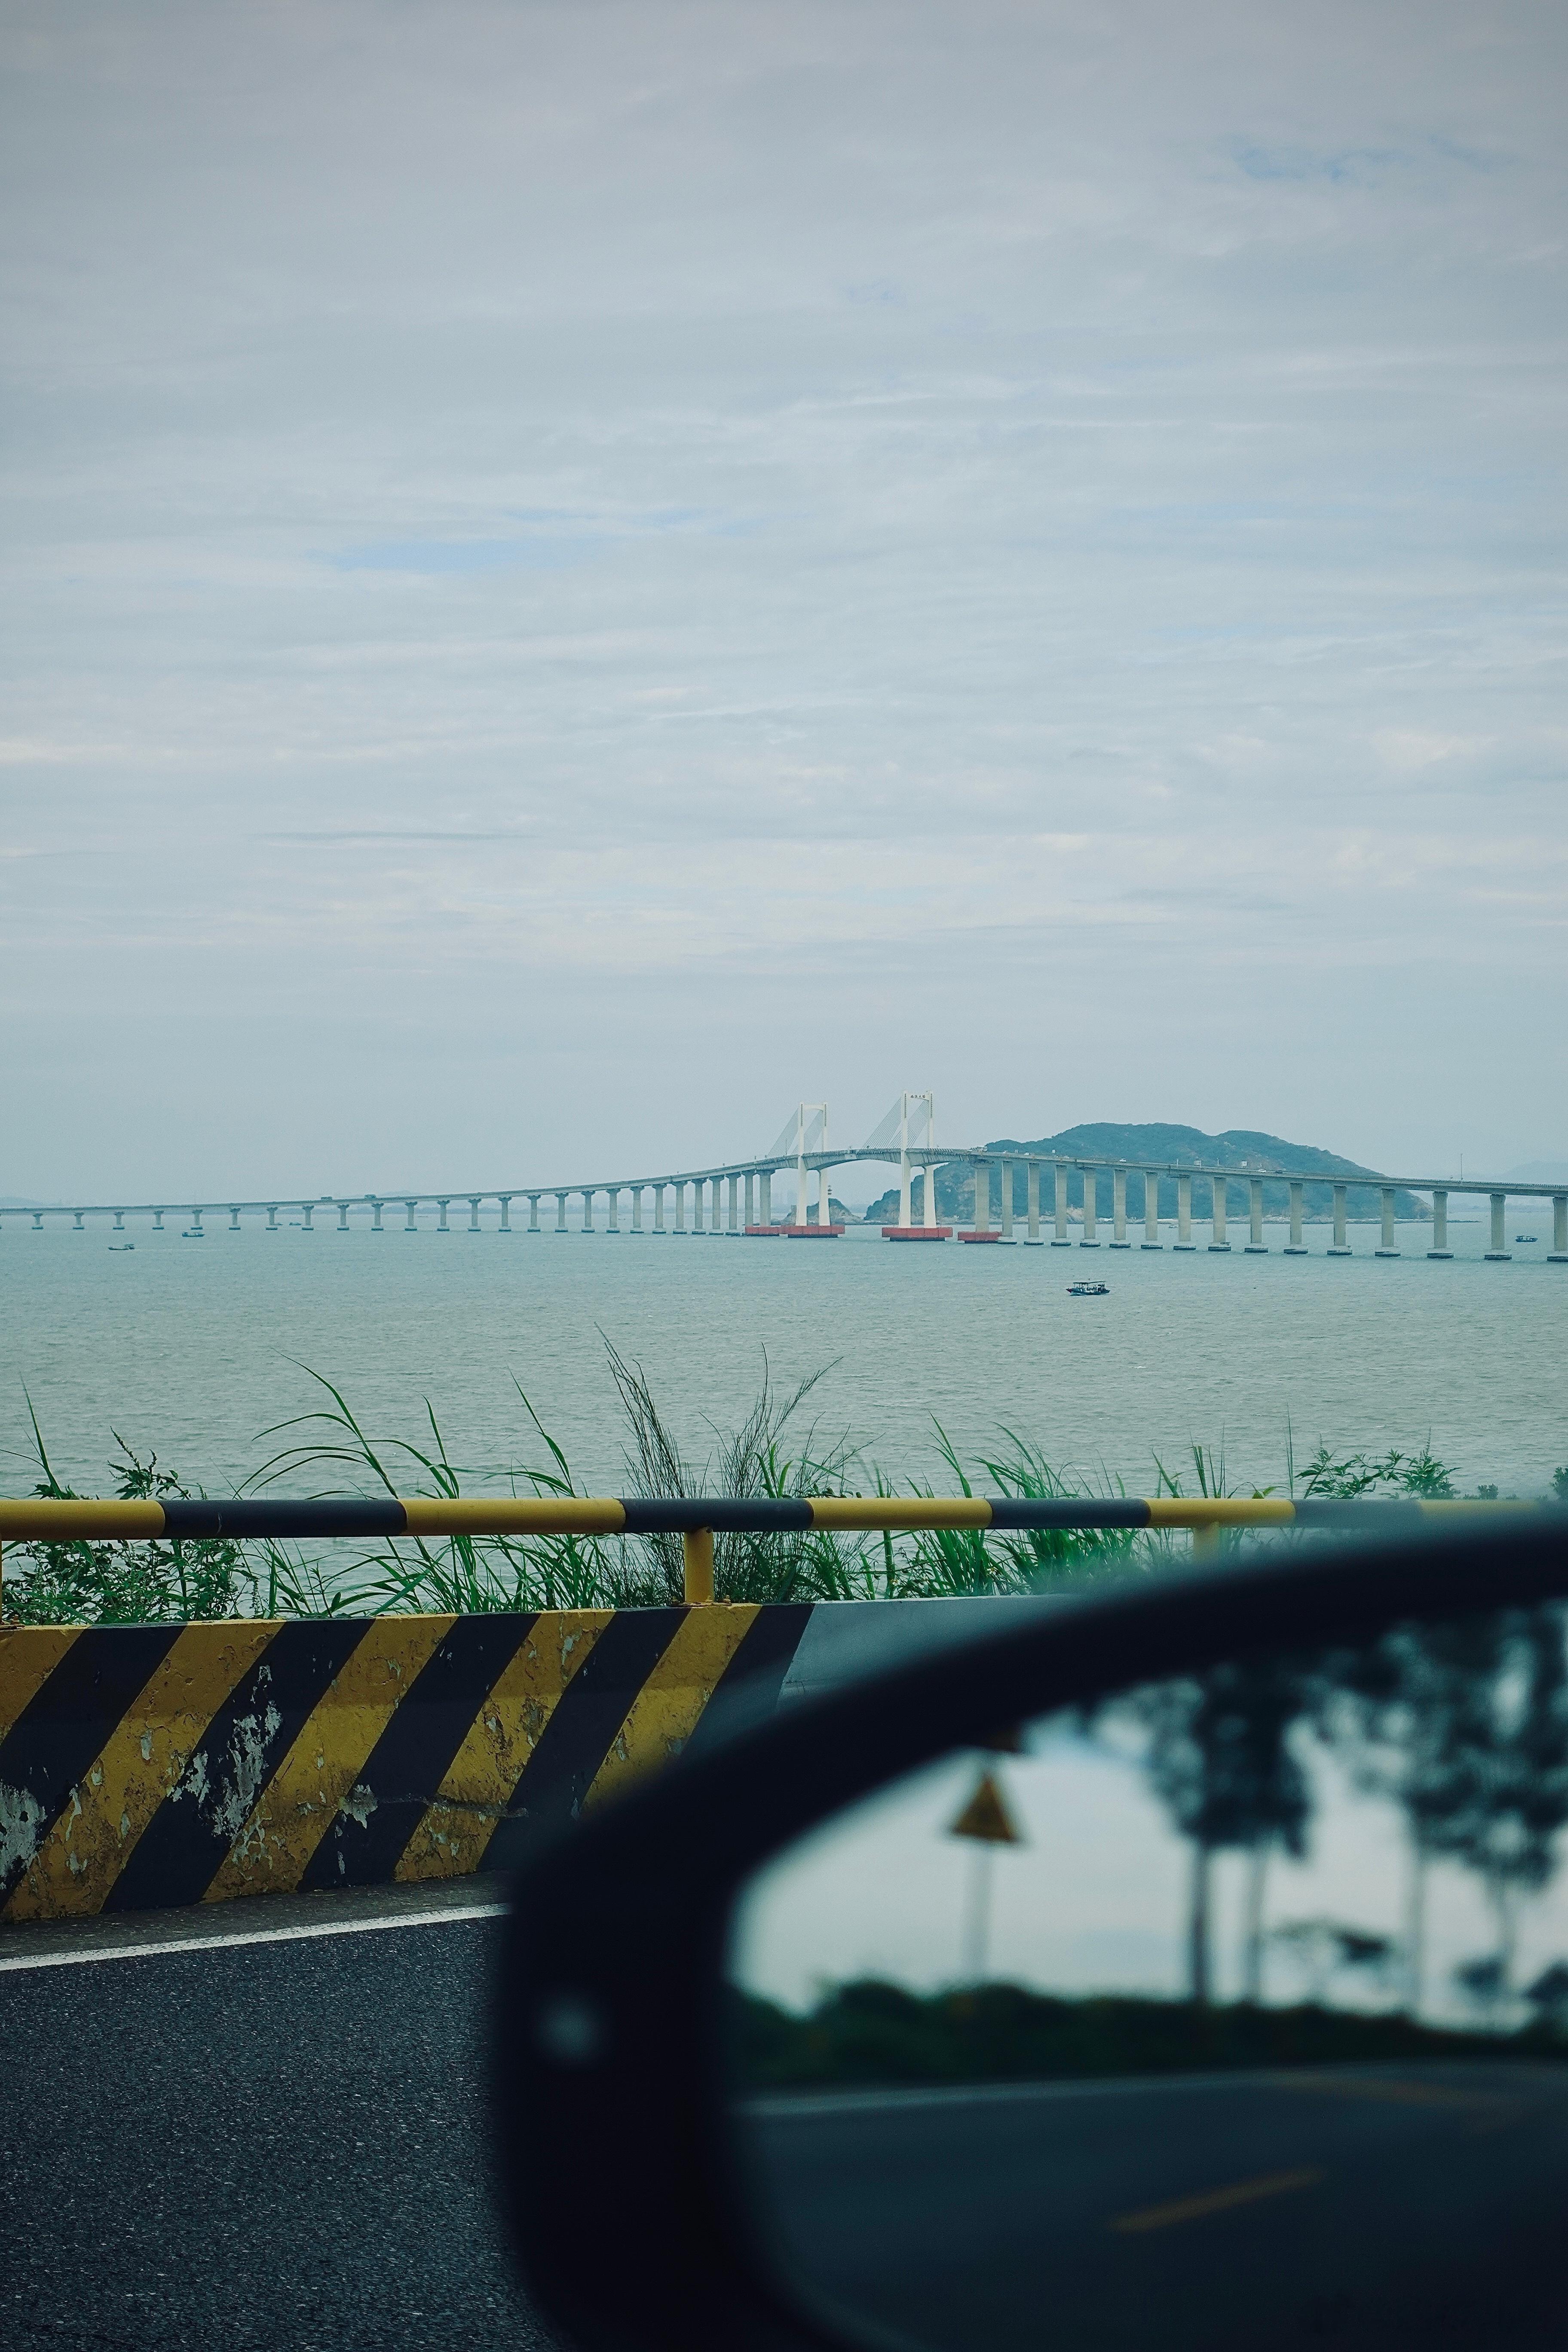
1218	2201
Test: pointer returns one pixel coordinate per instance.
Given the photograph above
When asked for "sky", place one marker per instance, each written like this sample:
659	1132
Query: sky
572	575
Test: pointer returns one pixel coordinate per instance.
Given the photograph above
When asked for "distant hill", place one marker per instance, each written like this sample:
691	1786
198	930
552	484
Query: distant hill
1247	1151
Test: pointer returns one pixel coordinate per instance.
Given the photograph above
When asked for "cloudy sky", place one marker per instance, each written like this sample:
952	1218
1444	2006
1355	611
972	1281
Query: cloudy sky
574	574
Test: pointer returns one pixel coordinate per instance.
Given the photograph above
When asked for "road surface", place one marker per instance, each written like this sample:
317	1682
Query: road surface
1349	2208
275	2144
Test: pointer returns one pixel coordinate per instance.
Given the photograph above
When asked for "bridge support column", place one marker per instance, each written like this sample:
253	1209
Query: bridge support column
680	1205
981	1220
442	1226
1295	1247
410	1206
533	1198
1218	1189
801	1217
1386	1248
561	1213
636	1208
1497	1252
1558	1253
749	1204
1007	1199
696	1206
1061	1239
1439	1227
234	1220
765	1197
1257	1247
80	1228
1032	1198
733	1223
38	1221
1151	1209
588	1209
474	1200
343	1209
1184	1212
1090	1207
375	1224
119	1220
906	1189
1119	1209
157	1221
272	1218
718	1224
309	1211
506	1212
658	1208
613	1194
1340	1246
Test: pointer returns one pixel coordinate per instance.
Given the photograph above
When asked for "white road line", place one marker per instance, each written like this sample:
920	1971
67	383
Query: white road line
247	1935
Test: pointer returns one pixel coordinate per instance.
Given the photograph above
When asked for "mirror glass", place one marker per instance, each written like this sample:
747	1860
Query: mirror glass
1229	2011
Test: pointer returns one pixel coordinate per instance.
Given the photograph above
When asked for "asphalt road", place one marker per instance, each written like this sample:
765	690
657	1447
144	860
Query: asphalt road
1356	2210
276	2144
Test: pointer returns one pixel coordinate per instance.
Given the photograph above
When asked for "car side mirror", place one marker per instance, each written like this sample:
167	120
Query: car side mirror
1193	1965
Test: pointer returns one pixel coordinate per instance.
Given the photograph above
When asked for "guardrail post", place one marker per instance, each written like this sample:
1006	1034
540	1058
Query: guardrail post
1499	1228
1206	1541
1151	1209
1439	1227
1558	1254
1256	1245
1340	1246
697	1544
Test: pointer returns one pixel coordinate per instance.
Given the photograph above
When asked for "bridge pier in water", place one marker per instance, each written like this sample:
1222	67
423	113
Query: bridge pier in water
613	1193
1032	1203
1295	1247
561	1213
1061	1239
1152	1209
506	1212
587	1208
534	1201
375	1224
1558	1254
1184	1212
1498	1252
1256	1244
636	1208
1119	1209
681	1207
1007	1201
1439	1227
658	1209
1218	1189
474	1200
1088	1239
442	1226
1339	1246
1386	1247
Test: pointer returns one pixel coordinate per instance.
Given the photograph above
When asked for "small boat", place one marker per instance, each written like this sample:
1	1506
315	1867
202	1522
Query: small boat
120	1246
192	1234
1525	1237
1089	1290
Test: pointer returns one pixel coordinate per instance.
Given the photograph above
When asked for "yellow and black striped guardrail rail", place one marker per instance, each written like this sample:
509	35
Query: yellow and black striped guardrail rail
144	1766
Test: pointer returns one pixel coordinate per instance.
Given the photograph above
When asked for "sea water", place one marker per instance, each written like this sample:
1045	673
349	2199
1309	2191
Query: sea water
192	1349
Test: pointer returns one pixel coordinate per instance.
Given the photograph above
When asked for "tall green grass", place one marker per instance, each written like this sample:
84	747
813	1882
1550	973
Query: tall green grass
778	1447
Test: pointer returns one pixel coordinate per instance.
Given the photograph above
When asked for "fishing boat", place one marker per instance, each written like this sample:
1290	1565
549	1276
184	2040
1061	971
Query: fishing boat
1525	1237
1089	1290
117	1248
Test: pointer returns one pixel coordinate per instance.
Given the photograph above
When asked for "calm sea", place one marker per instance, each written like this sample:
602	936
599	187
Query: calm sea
191	1348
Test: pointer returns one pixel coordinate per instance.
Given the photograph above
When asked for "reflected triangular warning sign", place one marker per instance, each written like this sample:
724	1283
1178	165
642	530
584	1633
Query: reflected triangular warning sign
986	1817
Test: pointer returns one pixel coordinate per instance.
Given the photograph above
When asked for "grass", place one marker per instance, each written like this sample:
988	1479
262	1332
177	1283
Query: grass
777	1448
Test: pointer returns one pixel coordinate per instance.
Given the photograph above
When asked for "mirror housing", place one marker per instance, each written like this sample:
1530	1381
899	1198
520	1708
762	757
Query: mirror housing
612	2084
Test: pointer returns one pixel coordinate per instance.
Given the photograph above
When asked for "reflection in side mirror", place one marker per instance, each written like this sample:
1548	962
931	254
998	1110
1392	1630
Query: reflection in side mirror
1231	2011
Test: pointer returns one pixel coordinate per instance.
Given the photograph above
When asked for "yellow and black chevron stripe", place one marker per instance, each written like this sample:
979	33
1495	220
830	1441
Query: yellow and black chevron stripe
142	1766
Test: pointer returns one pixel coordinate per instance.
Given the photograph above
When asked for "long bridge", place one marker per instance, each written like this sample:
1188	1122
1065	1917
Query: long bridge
736	1196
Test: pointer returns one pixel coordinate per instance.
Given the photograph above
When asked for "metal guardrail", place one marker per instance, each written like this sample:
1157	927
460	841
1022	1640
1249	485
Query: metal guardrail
696	1519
